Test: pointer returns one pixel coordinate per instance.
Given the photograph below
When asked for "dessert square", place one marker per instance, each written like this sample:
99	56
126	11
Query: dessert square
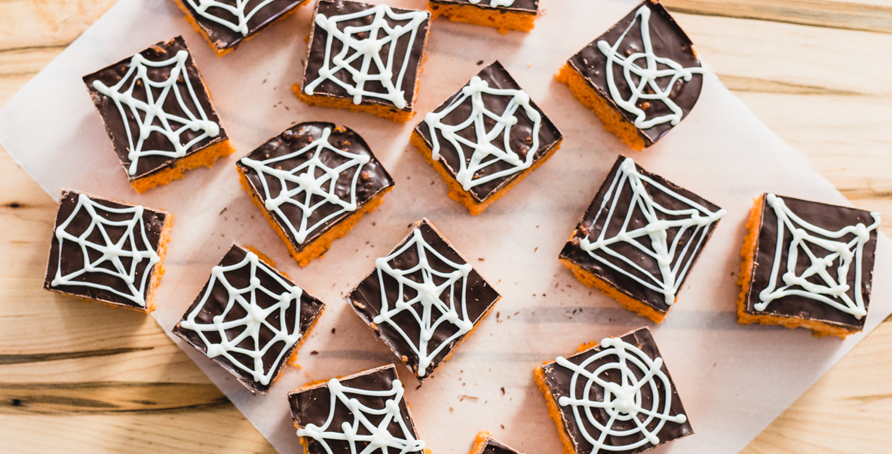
313	183
641	77
227	23
807	264
501	14
486	138
106	251
349	68
616	396
249	318
362	402
639	239
423	299
484	443
158	114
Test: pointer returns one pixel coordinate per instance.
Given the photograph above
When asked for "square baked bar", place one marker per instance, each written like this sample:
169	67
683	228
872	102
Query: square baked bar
503	15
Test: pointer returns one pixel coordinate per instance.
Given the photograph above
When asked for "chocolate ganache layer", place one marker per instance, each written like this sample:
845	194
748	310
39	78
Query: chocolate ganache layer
493	446
219	27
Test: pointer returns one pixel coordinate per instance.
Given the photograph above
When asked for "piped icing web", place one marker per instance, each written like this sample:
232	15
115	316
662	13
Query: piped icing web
150	116
238	10
823	249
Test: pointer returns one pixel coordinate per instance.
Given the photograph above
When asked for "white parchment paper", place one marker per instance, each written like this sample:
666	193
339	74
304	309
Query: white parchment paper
734	380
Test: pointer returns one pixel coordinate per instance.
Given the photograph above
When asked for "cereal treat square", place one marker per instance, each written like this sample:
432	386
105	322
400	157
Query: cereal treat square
807	264
639	239
250	318
503	15
484	443
486	138
158	114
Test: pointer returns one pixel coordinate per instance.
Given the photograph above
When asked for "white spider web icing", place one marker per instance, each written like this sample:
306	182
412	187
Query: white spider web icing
639	79
379	437
112	250
150	115
256	317
485	152
659	221
811	239
427	299
623	400
238	10
369	51
495	3
304	184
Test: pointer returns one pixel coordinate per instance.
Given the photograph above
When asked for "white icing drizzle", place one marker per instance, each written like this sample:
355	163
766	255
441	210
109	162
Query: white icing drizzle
147	113
485	152
379	438
495	3
113	251
238	10
835	291
256	317
426	300
304	184
638	78
369	50
623	400
697	217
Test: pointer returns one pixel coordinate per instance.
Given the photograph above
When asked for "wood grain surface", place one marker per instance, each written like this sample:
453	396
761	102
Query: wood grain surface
817	72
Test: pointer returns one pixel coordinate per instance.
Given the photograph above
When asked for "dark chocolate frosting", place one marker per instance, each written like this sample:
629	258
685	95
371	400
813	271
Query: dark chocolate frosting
573	253
828	217
668	40
115	126
558	379
366	300
493	446
316	54
310	308
224	37
72	256
373	178
518	5
521	133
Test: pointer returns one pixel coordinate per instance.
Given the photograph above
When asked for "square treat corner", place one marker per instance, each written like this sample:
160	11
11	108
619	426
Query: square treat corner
486	138
313	183
249	311
484	443
641	77
807	264
321	410
639	239
158	114
630	406
348	68
106	251
503	15
425	280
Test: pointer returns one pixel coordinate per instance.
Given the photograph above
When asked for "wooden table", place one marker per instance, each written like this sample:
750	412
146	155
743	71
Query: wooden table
817	72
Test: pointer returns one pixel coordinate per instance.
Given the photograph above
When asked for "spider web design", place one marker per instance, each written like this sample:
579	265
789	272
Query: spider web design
238	10
639	79
113	252
427	299
304	183
661	248
379	437
369	50
256	318
485	152
807	238
150	116
623	400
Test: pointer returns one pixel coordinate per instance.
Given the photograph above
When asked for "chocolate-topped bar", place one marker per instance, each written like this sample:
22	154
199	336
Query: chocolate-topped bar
348	68
639	239
641	77
423	299
360	402
501	14
613	397
484	443
807	264
313	183
227	23
249	318
486	138
158	114
106	251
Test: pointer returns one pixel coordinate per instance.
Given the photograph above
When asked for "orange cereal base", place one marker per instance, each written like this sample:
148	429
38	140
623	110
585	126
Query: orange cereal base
503	20
390	113
457	193
613	120
480	442
553	412
176	171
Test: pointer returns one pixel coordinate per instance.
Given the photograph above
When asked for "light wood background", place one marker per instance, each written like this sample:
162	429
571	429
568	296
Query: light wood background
817	72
